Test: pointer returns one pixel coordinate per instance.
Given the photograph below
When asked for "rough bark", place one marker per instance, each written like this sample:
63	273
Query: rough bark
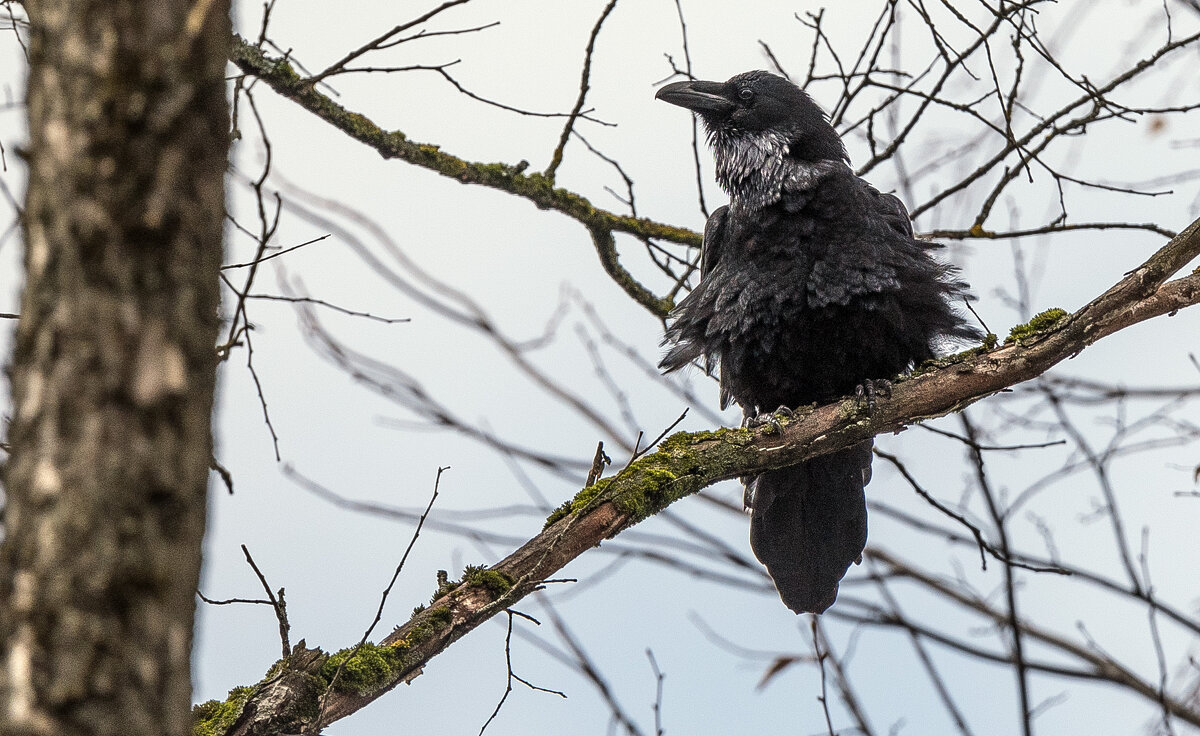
114	368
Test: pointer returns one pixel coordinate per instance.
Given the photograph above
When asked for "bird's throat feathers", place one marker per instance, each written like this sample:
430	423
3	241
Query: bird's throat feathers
754	168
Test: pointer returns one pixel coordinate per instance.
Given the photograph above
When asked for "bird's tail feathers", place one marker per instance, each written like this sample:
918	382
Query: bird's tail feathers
809	524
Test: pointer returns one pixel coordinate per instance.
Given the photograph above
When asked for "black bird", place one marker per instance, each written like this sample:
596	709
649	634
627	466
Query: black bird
811	287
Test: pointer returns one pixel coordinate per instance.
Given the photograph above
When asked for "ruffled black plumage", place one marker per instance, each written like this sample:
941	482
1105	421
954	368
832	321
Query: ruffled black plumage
811	284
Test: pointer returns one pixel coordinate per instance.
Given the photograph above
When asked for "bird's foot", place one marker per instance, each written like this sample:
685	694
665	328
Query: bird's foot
872	387
759	420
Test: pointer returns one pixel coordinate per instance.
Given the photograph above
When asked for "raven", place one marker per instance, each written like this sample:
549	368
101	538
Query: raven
812	287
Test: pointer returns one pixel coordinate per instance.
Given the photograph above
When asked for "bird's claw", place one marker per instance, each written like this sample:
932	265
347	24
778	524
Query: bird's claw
759	420
872	387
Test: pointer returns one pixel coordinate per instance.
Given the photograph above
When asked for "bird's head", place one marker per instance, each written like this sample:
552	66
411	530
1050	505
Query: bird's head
755	104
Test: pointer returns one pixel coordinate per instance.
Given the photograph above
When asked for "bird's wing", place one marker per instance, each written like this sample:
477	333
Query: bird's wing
716	230
714	234
875	262
870	248
891	210
688	332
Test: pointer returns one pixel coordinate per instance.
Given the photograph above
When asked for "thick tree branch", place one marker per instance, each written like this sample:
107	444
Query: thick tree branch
535	187
686	463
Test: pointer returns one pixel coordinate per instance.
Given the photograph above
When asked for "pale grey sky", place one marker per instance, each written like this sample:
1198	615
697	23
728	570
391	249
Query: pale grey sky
517	263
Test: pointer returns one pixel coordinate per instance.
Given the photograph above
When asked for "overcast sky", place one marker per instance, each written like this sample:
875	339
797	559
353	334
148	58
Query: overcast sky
521	265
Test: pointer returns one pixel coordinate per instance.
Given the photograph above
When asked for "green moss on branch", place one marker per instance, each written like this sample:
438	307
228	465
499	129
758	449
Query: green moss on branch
652	483
365	668
1041	322
214	717
283	78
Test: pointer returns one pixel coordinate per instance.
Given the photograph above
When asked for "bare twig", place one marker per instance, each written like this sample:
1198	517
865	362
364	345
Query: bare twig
512	675
1010	584
820	654
584	86
333	680
277	603
380	41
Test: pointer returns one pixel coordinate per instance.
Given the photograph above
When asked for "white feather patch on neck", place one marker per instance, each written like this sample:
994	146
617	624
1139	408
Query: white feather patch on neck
754	168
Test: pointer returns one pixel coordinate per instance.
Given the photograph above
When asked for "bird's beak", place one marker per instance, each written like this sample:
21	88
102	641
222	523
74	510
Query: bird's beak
701	97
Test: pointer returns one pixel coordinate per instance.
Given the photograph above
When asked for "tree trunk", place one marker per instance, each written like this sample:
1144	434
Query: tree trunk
114	368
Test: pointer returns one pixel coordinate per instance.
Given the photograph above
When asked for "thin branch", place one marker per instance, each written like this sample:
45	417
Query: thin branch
283	252
658	692
820	654
512	675
380	41
984	546
1010	581
229	601
687	71
584	86
277	603
333	680
437	482
329	305
841	680
939	682
1099	666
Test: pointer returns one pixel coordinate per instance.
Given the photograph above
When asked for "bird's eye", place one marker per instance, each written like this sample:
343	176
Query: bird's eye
746	94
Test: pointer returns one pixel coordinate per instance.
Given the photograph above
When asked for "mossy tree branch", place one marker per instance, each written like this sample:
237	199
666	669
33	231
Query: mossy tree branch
686	463
535	187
